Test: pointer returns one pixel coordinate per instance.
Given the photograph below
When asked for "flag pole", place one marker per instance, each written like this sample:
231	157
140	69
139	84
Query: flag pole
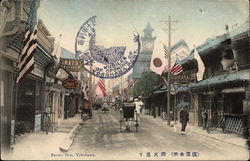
90	86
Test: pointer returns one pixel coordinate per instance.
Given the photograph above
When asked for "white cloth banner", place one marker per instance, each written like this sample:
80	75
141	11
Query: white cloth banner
57	51
201	66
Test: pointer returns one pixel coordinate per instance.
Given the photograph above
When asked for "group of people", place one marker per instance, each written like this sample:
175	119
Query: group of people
184	115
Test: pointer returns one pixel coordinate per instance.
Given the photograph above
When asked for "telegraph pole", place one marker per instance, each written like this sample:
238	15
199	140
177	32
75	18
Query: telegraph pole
169	64
90	86
121	90
90	75
168	55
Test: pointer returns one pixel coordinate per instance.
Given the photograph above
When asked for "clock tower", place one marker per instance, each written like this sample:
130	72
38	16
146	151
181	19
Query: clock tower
143	62
147	39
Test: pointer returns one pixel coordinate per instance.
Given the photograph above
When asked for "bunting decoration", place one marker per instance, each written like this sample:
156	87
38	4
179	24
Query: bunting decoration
26	59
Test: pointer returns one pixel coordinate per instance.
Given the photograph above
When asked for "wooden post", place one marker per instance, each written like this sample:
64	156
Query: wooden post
169	65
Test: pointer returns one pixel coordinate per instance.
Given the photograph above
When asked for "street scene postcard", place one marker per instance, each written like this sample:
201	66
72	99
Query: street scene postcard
125	79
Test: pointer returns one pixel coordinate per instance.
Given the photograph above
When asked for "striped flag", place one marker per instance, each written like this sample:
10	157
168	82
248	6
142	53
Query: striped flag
26	59
165	50
176	69
101	85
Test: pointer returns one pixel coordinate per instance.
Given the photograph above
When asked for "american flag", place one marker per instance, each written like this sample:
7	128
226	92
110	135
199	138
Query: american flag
26	59
101	85
165	50
176	69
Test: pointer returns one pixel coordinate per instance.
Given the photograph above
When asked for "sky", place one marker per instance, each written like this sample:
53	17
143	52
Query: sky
118	19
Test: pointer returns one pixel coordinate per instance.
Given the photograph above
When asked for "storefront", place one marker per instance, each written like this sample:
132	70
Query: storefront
159	103
29	105
224	96
7	101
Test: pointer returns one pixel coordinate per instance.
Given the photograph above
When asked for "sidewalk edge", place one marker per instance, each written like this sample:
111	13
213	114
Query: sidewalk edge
70	138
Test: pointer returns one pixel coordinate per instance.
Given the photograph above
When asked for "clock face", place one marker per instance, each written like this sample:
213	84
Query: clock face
149	45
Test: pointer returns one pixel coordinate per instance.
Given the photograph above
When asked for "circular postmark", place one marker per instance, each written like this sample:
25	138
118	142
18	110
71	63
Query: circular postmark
104	62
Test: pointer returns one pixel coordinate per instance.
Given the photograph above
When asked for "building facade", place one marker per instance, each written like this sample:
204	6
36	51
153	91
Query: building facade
158	103
22	104
73	101
224	90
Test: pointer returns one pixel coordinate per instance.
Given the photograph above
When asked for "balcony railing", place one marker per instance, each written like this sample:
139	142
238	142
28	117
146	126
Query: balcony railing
43	41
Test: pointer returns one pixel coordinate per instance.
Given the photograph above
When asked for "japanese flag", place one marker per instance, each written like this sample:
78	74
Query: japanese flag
159	59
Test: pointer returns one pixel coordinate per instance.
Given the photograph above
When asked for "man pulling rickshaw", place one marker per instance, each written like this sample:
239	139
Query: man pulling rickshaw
129	114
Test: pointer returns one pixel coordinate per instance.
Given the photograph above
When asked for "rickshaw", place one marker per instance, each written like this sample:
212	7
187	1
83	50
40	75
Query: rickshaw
128	116
105	107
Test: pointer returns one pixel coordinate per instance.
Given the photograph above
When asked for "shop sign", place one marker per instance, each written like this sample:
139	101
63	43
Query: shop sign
72	65
70	83
183	78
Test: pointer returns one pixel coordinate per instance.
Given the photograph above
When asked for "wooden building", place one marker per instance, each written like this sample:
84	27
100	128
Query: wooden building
22	103
224	90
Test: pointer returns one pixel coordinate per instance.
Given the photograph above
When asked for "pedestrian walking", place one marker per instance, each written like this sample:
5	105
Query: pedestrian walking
184	118
138	105
204	115
152	110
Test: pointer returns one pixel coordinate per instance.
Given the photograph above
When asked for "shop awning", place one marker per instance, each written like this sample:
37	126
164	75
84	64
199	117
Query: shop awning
182	105
234	90
165	89
161	90
183	89
57	87
227	78
117	87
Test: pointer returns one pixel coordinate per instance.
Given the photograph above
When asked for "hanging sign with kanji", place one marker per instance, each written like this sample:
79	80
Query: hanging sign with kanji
70	83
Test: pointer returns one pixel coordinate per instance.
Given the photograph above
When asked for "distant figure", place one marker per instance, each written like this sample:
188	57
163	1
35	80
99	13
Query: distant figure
204	115
105	107
184	118
86	107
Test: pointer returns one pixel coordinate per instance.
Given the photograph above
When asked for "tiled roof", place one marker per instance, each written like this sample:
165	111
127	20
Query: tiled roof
178	44
242	75
116	87
213	42
67	54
